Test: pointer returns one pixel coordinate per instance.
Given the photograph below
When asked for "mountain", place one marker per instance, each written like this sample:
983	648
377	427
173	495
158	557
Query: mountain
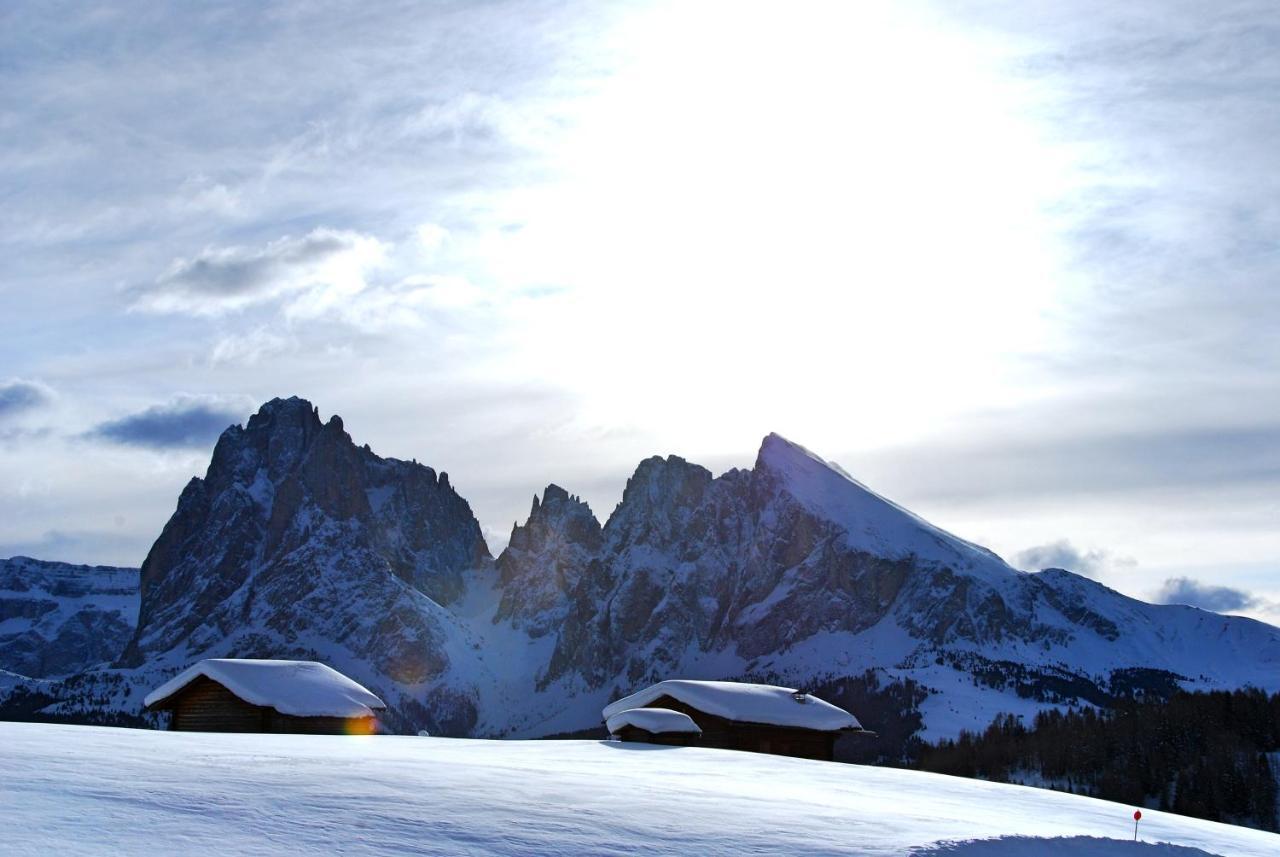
796	573
299	543
57	619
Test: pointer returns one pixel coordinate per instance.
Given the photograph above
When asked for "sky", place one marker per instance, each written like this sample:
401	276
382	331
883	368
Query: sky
1012	264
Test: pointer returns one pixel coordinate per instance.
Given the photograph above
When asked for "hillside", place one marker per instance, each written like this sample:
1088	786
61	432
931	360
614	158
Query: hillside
78	790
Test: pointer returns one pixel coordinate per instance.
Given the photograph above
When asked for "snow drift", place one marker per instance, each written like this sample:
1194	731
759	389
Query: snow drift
76	790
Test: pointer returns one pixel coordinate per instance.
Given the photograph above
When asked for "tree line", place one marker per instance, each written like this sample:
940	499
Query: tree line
1198	754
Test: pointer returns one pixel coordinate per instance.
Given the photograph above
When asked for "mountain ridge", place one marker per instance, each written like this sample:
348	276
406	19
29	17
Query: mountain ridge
298	543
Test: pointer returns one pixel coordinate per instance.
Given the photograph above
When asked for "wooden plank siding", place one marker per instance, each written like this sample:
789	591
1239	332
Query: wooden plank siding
727	734
206	706
644	736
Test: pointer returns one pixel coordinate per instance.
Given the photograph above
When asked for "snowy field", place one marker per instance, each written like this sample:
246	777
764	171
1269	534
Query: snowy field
87	790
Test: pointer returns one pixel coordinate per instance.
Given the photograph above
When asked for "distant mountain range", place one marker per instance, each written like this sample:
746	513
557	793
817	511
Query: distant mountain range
299	543
57	619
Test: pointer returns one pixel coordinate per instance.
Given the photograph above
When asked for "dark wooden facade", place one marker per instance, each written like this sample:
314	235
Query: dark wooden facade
204	705
644	736
725	734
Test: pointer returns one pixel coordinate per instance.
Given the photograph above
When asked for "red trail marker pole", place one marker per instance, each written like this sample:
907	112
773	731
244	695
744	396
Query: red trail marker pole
1137	816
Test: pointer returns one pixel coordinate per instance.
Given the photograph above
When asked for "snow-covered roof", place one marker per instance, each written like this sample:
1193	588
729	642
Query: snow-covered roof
299	688
655	720
746	703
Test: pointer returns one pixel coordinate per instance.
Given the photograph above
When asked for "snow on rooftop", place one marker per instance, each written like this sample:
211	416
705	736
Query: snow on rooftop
298	688
746	703
655	720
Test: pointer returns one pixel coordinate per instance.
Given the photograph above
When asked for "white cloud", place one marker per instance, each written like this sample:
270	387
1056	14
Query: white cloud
478	120
200	194
431	236
315	271
1219	599
1062	554
250	348
18	396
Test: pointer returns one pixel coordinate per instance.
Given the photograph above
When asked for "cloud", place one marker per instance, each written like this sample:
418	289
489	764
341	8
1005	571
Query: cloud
1219	599
187	421
473	119
1013	456
249	348
81	546
322	276
17	396
319	268
1063	554
431	236
199	194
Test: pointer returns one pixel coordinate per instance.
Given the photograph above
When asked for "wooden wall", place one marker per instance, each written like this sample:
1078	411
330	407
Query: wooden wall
644	736
206	706
754	737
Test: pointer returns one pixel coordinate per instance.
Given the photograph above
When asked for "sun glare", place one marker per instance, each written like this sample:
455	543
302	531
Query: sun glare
758	192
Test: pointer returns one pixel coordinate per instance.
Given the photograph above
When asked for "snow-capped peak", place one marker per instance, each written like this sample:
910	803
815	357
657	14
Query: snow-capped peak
873	523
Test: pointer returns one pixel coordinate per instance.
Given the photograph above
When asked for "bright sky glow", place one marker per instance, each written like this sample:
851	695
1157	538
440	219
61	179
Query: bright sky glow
1009	265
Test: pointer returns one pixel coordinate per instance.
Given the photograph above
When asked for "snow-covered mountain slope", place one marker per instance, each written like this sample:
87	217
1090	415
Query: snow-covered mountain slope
871	523
57	619
75	790
795	572
298	544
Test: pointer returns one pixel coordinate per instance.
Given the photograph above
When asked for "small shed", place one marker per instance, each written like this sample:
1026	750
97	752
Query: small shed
246	695
654	726
758	718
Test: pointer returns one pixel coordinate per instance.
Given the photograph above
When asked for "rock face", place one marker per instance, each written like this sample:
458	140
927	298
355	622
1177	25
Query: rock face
795	572
57	619
298	543
545	561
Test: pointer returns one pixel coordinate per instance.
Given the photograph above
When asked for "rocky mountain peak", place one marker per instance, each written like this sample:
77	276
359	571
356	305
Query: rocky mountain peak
872	522
294	410
296	538
660	491
557	510
545	560
803	470
776	450
554	494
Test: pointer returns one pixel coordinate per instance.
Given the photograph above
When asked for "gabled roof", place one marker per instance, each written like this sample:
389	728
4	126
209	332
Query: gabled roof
655	720
299	688
745	703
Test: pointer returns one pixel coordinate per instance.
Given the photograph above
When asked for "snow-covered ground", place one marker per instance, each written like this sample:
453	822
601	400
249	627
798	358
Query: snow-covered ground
86	790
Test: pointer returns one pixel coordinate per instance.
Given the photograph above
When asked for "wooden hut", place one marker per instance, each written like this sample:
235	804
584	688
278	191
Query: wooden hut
244	695
754	717
654	726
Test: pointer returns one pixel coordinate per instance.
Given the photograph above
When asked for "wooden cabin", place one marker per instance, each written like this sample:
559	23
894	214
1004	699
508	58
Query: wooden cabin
753	717
654	726
246	695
